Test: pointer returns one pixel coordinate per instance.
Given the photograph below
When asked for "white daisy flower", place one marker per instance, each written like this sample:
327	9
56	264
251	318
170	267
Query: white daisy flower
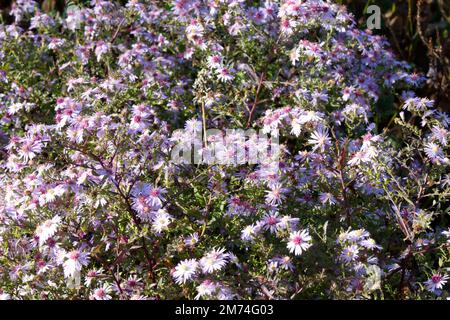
47	229
299	241
185	270
214	260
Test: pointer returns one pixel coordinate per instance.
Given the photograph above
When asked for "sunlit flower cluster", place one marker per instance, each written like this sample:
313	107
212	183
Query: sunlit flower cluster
352	202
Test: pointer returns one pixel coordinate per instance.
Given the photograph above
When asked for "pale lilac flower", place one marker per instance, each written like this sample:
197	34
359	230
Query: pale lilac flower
320	139
440	134
350	253
310	117
284	263
156	196
191	240
271	222
436	283
433	151
447	234
327	198
275	196
357	235
30	147
101	49
369	244
287	26
249	232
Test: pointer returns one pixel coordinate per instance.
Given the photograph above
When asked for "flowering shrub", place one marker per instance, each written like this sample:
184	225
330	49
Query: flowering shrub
94	101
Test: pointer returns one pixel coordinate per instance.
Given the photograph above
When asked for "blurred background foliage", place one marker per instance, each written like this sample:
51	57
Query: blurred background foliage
419	33
417	29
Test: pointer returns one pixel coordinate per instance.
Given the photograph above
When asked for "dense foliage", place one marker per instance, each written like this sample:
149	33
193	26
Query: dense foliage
93	101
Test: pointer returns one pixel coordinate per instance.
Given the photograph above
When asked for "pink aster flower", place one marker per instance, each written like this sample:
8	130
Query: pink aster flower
271	222
156	196
299	241
102	293
275	196
215	61
225	74
74	261
436	283
29	148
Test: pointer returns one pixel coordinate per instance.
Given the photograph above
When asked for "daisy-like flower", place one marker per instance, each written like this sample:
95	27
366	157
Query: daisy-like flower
138	123
15	107
249	232
287	221
433	151
284	263
357	158
133	282
47	229
309	116
224	292
327	198
271	222
5	296
185	270
294	55
214	260
102	293
141	205
349	253
276	195
92	275
156	196
193	126
440	134
74	261
161	221
191	240
320	139
30	148
206	288
299	241
215	61
52	194
287	26
369	244
101	49
436	283
357	235
225	74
